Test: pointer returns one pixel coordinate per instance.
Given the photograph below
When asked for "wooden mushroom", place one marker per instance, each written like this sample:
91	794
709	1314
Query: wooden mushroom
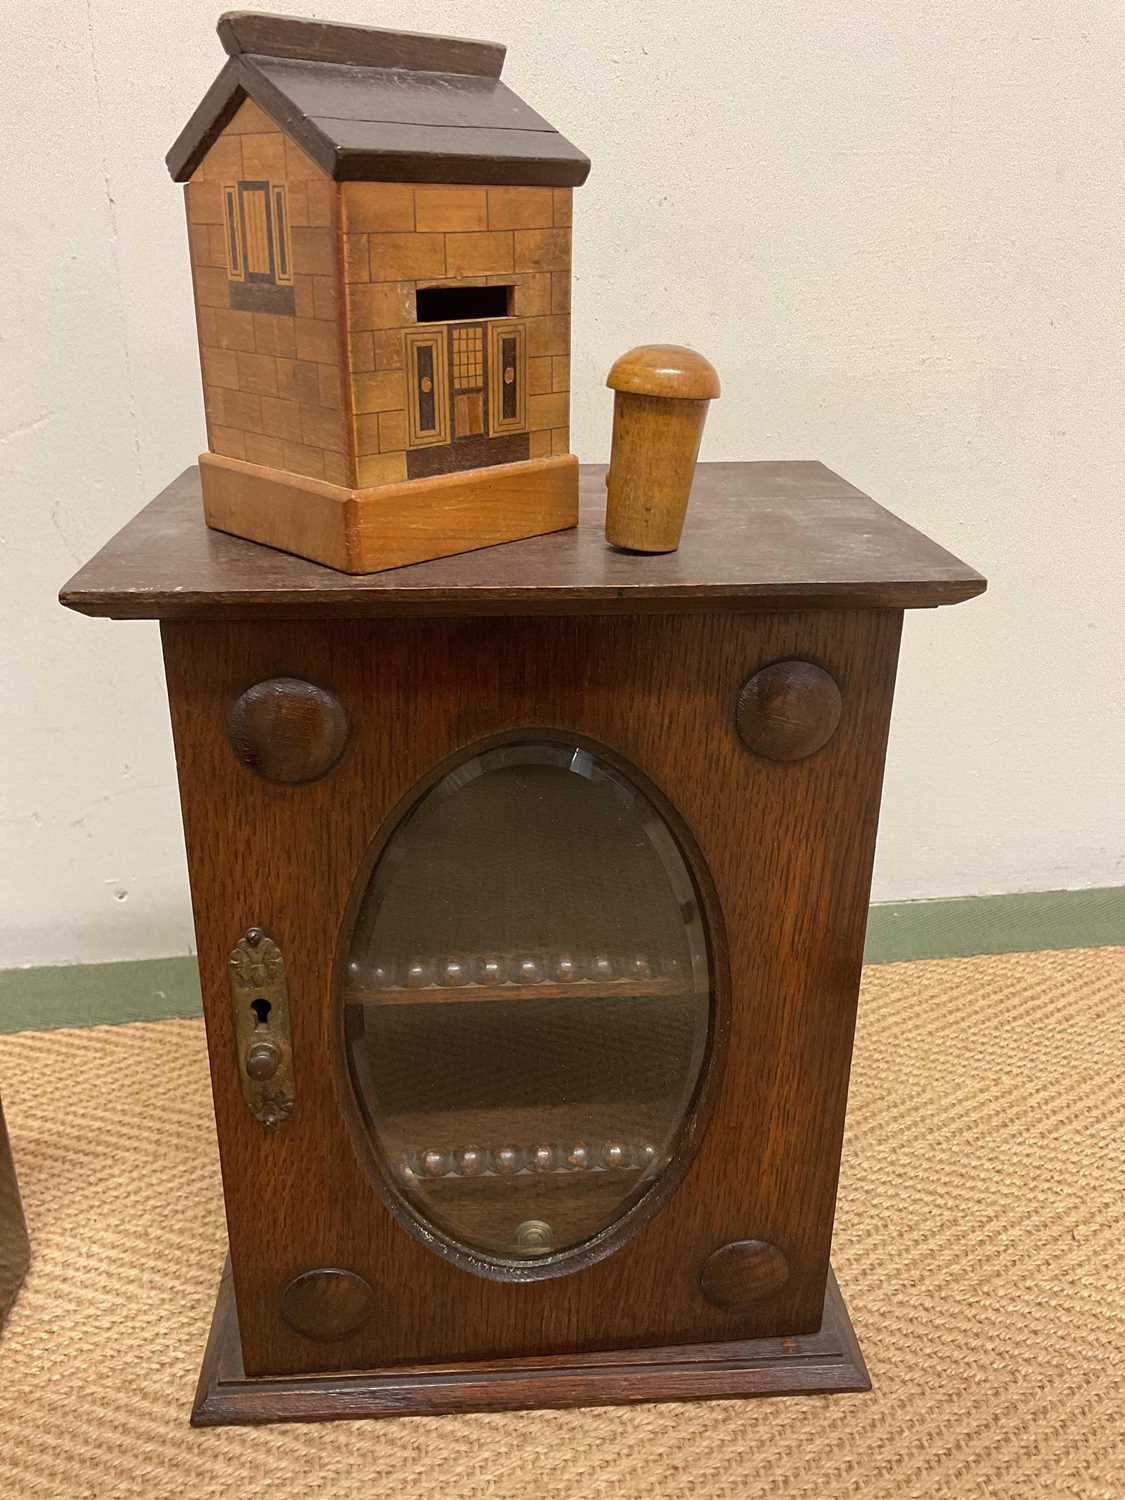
660	406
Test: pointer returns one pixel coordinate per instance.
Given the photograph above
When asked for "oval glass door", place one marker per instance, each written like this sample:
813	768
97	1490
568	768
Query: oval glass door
527	1004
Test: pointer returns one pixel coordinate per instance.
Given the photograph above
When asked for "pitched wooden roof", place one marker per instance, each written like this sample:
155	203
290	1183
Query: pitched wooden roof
380	105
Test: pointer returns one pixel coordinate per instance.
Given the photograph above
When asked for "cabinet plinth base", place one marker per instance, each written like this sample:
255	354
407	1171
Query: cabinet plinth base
806	1364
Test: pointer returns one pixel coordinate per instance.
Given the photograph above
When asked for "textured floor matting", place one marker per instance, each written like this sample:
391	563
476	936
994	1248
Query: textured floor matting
980	1244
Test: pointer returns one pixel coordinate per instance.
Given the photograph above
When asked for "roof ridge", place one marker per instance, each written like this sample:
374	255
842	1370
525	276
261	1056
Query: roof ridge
297	39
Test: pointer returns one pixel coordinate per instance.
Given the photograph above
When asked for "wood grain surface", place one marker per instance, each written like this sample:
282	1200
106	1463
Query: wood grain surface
667	370
740	1273
382	115
327	1303
651	468
788	710
757	536
825	1361
788	849
363	46
287	730
391	525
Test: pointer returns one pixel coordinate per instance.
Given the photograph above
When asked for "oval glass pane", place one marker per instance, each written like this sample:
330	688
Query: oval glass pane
528	1002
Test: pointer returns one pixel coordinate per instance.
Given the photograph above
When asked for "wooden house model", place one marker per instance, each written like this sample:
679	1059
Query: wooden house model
380	250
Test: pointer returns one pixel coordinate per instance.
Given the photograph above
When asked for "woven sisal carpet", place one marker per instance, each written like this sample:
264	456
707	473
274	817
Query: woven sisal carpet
980	1244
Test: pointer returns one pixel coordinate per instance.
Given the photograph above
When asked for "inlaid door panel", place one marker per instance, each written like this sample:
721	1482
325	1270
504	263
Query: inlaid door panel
466	381
468	371
507	377
427	386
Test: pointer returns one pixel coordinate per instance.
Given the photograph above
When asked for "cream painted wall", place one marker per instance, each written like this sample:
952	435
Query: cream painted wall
897	233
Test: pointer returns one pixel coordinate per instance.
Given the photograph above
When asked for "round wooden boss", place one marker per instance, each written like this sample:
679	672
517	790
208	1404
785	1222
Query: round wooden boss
788	710
327	1303
741	1273
286	729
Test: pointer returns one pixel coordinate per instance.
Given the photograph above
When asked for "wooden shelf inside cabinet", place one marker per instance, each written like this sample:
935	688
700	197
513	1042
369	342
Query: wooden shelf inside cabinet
557	1180
525	1125
358	993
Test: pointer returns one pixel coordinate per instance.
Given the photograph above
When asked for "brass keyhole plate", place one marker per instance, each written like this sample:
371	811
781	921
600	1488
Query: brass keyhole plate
264	1052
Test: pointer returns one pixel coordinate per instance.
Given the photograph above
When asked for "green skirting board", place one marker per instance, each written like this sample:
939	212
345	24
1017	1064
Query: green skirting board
158	989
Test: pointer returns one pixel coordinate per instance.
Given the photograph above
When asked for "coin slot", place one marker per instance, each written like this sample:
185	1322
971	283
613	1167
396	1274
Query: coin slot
457	304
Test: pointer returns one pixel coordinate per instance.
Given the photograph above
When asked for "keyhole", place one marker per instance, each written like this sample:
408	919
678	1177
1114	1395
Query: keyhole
261	1009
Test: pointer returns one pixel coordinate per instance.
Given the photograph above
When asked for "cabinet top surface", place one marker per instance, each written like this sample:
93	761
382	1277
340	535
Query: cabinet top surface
758	535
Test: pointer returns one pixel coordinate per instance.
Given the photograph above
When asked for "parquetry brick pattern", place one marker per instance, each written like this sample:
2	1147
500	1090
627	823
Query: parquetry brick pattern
321	391
273	383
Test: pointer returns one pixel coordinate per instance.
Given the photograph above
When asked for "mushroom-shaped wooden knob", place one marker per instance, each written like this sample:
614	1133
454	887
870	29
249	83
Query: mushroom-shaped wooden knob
662	395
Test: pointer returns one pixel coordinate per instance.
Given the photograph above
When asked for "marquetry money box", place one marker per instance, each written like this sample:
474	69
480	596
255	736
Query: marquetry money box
530	889
380	249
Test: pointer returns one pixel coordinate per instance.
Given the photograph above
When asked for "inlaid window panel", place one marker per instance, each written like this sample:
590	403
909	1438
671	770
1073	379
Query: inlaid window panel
257	233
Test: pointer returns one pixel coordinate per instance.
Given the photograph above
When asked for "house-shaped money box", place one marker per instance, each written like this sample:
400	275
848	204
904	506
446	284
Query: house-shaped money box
380	250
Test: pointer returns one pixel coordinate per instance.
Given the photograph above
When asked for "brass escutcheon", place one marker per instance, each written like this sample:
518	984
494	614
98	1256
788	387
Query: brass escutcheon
264	1052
